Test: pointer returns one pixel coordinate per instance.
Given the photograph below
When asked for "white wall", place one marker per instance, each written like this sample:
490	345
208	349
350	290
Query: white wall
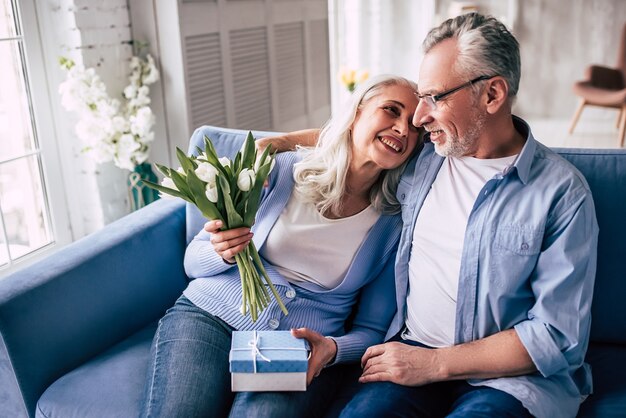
558	40
382	36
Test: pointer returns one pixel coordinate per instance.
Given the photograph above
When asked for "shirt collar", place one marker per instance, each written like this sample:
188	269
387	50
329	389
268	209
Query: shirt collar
525	158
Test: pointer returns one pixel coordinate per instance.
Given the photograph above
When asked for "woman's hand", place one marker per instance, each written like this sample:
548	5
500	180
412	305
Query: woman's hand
323	351
228	244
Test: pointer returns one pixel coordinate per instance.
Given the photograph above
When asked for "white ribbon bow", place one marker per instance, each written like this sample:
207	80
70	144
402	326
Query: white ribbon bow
255	349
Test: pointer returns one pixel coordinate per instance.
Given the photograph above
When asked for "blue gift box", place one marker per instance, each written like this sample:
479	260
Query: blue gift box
268	361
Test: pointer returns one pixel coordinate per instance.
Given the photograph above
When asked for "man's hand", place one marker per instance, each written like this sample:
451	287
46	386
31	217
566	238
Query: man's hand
228	244
288	141
323	351
400	363
501	354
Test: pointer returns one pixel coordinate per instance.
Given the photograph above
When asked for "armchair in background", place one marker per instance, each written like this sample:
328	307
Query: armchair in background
606	87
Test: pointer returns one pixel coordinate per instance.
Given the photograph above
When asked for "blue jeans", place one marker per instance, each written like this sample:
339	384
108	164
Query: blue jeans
189	375
443	399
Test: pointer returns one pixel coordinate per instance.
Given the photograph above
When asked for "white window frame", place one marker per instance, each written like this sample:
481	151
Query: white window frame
45	139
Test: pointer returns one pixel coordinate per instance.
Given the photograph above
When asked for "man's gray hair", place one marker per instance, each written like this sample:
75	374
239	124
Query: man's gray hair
485	47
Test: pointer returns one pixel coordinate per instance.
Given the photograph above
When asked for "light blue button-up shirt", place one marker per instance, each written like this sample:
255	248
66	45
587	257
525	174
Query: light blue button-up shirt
528	262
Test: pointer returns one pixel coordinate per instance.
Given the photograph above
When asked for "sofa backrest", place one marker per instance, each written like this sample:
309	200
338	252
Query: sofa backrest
605	171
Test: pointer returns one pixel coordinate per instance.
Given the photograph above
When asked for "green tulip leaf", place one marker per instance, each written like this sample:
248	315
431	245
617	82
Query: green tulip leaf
249	152
185	162
181	183
234	219
166	190
164	170
198	191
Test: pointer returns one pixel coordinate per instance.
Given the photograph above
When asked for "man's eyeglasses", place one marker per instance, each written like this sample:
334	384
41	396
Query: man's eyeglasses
432	99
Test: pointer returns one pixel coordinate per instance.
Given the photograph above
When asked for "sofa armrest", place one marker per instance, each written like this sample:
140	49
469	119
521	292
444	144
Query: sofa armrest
72	305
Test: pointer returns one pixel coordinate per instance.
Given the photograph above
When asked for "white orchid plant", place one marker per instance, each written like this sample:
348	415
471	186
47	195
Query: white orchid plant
230	191
110	131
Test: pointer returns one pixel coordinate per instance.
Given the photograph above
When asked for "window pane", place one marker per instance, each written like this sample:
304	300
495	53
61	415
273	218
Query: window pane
23	206
7	21
15	128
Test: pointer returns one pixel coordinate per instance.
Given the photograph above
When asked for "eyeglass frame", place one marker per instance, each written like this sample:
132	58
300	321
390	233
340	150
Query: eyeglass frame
432	99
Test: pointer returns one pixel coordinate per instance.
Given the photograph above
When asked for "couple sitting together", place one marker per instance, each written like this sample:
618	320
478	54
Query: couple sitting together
432	216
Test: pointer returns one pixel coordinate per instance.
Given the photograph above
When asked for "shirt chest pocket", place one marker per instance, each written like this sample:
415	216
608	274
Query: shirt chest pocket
516	239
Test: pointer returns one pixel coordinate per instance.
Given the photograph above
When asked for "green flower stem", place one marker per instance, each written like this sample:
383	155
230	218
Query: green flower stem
259	265
248	285
243	286
242	275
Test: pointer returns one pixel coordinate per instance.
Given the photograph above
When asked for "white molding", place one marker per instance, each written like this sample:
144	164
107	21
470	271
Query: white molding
43	109
173	72
143	28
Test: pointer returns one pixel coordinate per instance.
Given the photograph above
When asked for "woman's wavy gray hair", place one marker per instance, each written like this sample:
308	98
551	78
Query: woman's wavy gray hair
485	47
320	176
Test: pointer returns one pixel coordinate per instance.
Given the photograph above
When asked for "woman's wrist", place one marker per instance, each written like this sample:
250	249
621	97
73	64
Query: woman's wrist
333	351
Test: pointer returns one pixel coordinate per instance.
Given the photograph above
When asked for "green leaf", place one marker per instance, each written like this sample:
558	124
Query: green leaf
166	190
180	182
249	152
164	170
234	219
254	195
198	191
237	164
185	162
264	156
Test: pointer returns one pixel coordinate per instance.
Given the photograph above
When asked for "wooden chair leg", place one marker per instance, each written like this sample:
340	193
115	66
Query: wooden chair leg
577	115
622	127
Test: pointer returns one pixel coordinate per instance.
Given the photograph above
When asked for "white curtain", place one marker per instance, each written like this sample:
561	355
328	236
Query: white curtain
381	36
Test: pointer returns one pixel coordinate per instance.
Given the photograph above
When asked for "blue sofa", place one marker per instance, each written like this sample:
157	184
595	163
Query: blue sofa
76	327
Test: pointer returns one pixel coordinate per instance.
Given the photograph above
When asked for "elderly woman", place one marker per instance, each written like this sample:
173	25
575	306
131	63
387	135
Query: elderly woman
327	228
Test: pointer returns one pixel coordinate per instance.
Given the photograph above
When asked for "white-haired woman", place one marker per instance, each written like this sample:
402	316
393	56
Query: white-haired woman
328	227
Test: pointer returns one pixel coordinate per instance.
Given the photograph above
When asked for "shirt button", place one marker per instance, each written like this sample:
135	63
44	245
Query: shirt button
290	293
273	323
402	196
524	246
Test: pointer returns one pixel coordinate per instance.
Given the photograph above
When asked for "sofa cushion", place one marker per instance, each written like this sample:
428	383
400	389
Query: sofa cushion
605	171
110	385
608	368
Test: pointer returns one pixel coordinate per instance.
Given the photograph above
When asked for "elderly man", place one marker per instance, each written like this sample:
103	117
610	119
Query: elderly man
497	261
496	264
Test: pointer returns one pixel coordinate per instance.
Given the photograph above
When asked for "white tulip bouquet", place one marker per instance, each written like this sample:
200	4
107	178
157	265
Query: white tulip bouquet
229	191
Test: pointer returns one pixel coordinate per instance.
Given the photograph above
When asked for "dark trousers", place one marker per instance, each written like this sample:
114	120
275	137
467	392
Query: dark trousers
443	399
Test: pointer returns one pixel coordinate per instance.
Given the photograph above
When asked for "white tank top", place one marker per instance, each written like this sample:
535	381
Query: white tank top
304	246
438	237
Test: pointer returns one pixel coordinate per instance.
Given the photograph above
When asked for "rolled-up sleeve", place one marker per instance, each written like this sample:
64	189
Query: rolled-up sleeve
556	333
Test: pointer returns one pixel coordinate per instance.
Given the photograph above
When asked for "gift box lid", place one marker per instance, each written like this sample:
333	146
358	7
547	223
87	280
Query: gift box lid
268	352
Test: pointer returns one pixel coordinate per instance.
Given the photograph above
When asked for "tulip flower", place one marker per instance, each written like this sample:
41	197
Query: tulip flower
207	181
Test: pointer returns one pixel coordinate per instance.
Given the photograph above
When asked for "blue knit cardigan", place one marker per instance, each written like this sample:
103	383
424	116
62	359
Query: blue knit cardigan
369	281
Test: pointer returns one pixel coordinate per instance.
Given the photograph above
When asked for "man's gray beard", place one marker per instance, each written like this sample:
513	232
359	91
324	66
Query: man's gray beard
460	147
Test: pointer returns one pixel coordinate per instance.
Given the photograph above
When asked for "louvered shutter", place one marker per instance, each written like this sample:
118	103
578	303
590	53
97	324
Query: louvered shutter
291	86
205	82
253	64
251	81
